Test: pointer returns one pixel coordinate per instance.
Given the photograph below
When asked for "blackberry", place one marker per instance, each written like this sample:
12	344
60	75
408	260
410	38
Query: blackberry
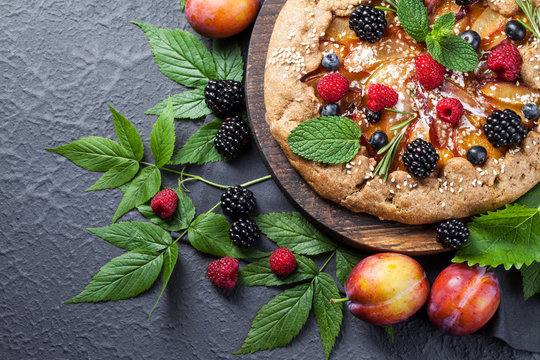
464	2
224	97
504	128
452	233
238	202
420	158
244	232
368	23
232	136
373	116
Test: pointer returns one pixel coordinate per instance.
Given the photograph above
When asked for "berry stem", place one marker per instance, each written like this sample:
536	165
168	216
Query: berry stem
337	301
253	182
214	208
327	261
181	236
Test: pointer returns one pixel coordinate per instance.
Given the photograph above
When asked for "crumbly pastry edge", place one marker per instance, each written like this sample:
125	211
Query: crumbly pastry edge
459	189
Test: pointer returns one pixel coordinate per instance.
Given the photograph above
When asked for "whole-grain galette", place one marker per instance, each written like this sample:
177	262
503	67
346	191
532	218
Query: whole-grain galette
407	111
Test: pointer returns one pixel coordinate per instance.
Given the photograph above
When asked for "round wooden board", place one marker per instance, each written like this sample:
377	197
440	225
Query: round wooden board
359	230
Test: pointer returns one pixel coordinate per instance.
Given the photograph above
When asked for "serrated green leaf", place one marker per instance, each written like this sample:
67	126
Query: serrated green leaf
279	321
228	60
531	279
180	56
93	153
330	140
123	277
329	316
162	137
127	135
292	231
170	256
259	274
345	262
145	185
454	53
209	233
509	237
186	105
116	176
531	198
180	220
443	24
134	235
199	149
414	18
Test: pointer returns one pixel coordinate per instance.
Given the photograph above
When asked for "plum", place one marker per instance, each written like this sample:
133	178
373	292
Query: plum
221	18
463	299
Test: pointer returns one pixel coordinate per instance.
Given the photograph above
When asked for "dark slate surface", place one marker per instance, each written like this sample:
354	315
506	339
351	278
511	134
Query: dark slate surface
60	63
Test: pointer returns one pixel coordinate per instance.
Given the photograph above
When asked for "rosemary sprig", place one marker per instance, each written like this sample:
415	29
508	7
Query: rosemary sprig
533	14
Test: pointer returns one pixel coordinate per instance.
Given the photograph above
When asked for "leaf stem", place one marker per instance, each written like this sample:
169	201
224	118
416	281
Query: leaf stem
181	236
337	301
253	182
327	261
385	9
214	208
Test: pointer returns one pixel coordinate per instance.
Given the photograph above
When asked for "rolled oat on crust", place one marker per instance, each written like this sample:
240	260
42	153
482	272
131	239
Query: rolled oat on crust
460	189
530	70
504	7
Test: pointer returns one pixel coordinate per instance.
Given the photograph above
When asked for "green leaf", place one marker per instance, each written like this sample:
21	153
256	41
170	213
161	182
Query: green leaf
330	140
162	137
531	198
182	5
170	256
123	277
180	55
292	231
127	135
414	18
93	153
199	149
180	220
509	237
116	176
345	262
186	105
279	321
228	60
259	274
531	279
389	330
329	316
134	235
145	185
443	25
453	52
209	233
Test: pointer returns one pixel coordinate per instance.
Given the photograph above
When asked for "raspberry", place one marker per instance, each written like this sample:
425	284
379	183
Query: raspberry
420	158
232	136
333	87
282	261
223	272
224	97
380	97
238	202
244	232
504	128
164	203
429	73
452	233
368	23
506	61
450	110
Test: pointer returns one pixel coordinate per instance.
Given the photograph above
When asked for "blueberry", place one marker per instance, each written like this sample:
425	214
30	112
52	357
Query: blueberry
373	116
472	37
515	30
330	62
378	140
331	109
477	155
531	111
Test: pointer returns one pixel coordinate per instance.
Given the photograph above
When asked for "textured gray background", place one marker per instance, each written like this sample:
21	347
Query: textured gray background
60	63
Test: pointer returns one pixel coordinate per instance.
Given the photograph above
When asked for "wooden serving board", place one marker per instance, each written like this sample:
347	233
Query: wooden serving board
359	230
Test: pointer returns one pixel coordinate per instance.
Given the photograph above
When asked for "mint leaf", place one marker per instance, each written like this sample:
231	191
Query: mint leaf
162	137
443	25
134	235
531	279
170	256
186	105
531	198
199	149
259	274
128	137
330	140
292	231
509	237
414	18
279	321
228	60
123	277
329	316
209	233
453	52
345	262
145	185
180	56
180	220
93	153
116	176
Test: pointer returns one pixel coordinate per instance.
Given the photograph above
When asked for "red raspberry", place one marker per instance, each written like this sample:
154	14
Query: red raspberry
380	97
333	87
429	73
506	61
282	261
164	203
223	272
450	110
